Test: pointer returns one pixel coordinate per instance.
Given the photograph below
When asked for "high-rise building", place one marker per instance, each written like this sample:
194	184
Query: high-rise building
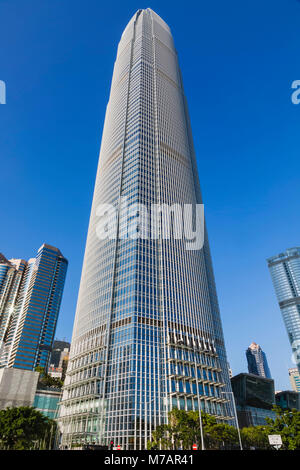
285	273
257	361
147	335
295	379
30	297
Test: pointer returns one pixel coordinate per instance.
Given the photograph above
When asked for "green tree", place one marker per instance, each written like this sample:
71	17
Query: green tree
45	380
24	428
255	436
287	424
183	430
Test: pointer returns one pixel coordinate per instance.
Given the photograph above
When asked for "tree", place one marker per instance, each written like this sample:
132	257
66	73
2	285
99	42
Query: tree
183	431
23	427
46	380
287	424
255	436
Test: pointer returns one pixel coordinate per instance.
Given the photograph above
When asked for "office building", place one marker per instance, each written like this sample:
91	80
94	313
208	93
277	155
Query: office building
59	353
294	379
59	359
30	297
285	273
254	397
257	361
147	335
288	400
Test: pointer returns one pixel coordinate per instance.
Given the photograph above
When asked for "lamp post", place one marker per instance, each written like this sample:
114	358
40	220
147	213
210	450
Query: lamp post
146	419
236	419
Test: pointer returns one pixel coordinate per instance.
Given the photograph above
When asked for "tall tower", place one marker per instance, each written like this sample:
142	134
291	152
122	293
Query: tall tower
147	334
285	274
257	361
30	297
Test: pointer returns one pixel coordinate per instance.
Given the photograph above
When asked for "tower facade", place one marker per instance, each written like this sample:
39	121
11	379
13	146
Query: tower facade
30	297
147	334
285	274
257	361
295	379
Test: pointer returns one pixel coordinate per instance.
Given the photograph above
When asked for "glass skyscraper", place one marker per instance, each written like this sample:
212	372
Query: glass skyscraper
295	379
285	273
147	333
257	361
30	297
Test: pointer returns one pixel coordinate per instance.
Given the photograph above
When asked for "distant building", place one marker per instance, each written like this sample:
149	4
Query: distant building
55	372
295	379
288	400
254	397
59	359
285	273
30	297
257	361
58	348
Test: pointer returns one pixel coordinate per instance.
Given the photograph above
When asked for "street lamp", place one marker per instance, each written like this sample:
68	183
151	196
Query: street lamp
235	414
200	421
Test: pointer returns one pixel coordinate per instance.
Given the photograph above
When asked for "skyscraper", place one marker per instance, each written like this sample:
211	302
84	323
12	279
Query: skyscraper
285	273
147	334
257	361
30	297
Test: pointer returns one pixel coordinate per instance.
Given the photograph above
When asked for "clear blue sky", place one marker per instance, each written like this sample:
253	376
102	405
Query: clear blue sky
238	60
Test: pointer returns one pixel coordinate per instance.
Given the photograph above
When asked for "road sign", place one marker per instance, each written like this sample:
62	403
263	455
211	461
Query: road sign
275	440
194	446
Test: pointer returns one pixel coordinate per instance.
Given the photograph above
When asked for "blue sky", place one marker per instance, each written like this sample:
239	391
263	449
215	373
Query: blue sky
238	61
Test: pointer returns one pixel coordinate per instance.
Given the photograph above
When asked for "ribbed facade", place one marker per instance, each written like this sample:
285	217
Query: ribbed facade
285	273
30	298
147	334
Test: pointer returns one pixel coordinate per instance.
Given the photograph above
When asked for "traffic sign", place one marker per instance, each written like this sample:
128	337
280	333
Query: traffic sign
194	446
275	440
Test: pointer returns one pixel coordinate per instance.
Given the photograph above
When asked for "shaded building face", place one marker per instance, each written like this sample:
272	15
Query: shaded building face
30	297
147	334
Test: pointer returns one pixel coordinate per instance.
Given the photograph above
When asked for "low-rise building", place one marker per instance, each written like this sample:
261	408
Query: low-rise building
288	400
254	397
17	387
46	401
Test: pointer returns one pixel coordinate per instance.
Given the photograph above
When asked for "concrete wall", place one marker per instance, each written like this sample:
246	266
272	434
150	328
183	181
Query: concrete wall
17	387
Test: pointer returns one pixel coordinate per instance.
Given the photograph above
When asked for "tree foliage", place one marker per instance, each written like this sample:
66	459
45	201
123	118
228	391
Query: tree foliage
183	430
287	424
45	380
24	428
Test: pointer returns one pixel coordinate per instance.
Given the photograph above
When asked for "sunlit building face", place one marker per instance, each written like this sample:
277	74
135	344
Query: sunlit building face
147	334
